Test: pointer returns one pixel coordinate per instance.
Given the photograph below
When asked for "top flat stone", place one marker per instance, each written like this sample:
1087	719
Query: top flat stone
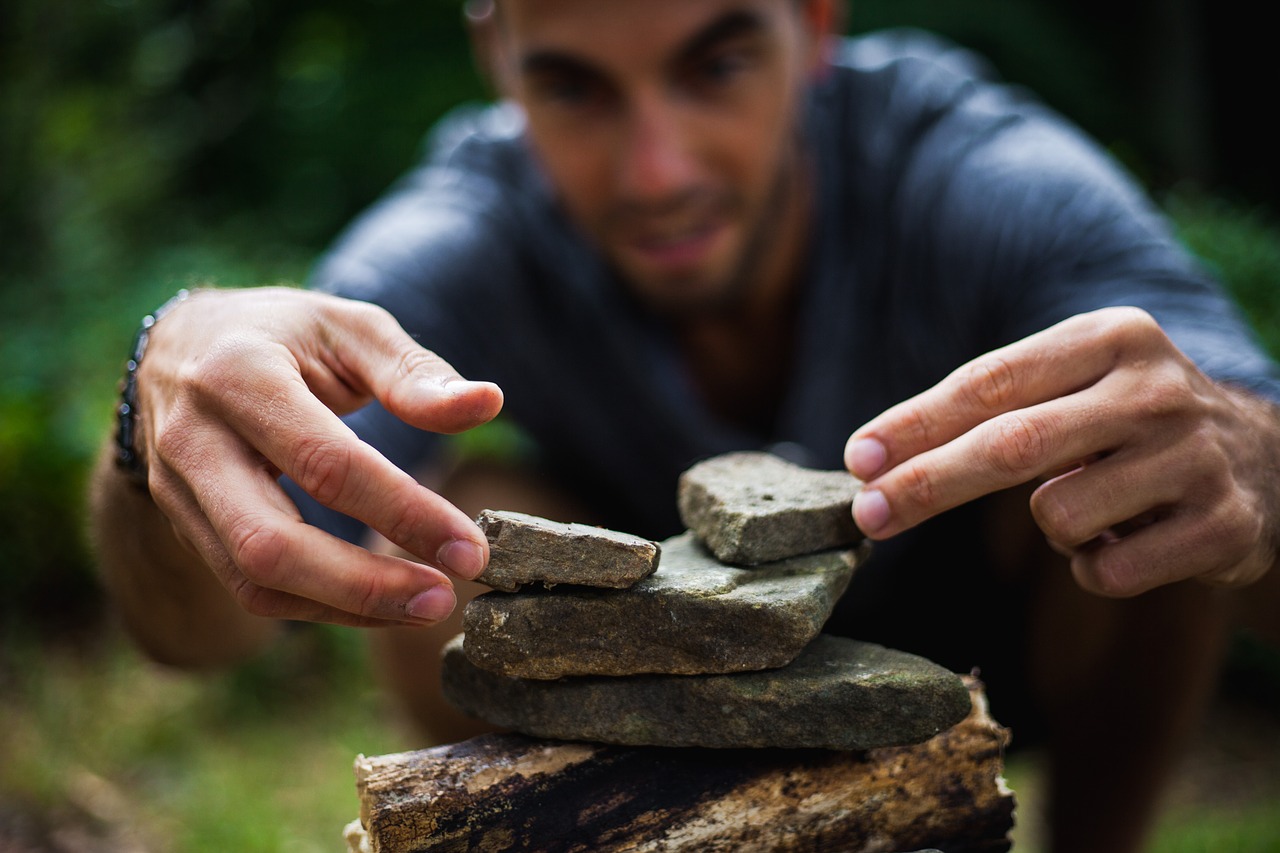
526	549
753	507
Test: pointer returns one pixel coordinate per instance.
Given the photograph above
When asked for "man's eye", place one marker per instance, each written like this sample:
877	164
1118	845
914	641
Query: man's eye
568	92
564	91
723	67
720	69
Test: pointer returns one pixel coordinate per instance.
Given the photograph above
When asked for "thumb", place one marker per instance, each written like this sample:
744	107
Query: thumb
377	357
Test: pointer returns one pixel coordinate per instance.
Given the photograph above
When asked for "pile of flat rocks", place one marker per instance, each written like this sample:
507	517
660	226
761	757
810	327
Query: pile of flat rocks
711	638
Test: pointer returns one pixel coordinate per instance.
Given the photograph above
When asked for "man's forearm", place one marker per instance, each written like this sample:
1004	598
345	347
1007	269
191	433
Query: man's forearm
1257	605
170	602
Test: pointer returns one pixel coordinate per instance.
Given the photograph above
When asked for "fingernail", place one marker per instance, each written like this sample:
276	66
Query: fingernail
462	557
460	385
433	605
870	510
451	386
865	457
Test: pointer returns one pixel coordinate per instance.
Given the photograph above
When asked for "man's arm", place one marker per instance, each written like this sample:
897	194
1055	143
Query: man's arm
169	600
237	388
1152	473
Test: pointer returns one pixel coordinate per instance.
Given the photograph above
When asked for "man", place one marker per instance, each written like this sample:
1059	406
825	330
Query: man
702	225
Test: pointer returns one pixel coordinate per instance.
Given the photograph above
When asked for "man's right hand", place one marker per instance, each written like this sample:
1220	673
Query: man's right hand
239	386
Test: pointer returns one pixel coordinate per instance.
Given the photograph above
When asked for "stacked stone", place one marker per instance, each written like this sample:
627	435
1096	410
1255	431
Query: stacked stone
710	638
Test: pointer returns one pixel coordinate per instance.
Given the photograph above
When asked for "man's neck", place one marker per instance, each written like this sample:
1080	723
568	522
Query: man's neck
741	356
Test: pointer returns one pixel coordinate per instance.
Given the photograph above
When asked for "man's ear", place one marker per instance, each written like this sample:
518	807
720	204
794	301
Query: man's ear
480	17
824	19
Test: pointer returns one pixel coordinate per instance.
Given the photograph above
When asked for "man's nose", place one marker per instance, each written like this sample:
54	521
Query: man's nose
657	157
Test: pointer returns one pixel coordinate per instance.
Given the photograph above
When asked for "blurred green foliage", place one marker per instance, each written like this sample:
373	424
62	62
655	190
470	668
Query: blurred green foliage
105	752
147	145
151	144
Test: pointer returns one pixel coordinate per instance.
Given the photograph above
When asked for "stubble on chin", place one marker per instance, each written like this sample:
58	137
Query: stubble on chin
696	296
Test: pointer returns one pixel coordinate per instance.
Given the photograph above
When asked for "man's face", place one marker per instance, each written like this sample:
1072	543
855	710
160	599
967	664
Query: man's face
668	127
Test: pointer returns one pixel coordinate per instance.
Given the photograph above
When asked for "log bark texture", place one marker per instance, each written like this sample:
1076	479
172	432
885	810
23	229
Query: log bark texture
507	793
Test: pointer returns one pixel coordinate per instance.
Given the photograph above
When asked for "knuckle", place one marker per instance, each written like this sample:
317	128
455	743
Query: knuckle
260	552
1163	393
367	313
258	600
416	361
322	468
408	525
1019	444
174	440
918	427
1108	572
1237	529
990	384
918	486
1056	518
1128	323
369	597
1137	319
219	370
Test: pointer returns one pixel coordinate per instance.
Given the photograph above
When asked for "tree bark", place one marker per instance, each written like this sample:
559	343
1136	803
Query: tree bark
508	792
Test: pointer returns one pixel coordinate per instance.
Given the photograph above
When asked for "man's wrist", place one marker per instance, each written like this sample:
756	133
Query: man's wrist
128	460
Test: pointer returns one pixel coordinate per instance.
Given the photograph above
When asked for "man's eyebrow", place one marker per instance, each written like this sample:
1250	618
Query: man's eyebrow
733	24
554	62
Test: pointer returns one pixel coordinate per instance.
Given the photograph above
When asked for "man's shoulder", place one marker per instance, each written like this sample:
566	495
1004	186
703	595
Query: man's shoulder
474	162
907	46
898	78
911	110
494	126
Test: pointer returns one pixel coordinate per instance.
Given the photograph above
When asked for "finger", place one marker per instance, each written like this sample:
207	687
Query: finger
1060	360
260	548
270	603
195	533
1105	494
303	439
1178	547
1005	451
370	351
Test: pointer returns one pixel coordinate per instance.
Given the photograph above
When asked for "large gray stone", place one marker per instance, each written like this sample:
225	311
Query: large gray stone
753	507
693	615
526	549
838	694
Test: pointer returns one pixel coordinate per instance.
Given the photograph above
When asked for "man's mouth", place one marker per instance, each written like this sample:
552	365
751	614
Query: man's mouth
677	248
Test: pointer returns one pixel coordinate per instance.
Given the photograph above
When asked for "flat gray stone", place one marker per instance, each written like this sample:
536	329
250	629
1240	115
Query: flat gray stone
526	549
754	507
693	615
838	694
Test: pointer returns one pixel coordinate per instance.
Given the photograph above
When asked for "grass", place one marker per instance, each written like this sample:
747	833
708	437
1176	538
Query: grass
104	747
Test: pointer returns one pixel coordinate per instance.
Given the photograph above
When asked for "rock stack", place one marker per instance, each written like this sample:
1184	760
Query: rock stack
710	638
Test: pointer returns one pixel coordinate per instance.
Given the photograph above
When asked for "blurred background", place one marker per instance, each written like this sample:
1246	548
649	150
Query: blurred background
147	145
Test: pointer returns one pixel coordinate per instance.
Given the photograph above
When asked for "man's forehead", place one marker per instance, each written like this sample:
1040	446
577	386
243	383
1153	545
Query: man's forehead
620	29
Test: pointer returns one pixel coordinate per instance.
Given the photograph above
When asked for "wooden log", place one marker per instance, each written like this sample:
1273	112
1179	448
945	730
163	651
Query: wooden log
508	792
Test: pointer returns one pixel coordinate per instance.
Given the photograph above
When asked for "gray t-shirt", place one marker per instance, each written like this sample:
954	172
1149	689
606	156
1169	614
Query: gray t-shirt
954	215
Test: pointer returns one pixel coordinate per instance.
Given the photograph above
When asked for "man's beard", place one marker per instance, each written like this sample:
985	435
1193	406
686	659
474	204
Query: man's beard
732	292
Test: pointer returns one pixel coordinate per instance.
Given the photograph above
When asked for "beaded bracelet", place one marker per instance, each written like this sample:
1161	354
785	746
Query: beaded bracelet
127	458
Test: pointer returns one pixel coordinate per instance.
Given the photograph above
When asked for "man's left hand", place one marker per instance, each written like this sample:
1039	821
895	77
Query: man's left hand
1151	472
